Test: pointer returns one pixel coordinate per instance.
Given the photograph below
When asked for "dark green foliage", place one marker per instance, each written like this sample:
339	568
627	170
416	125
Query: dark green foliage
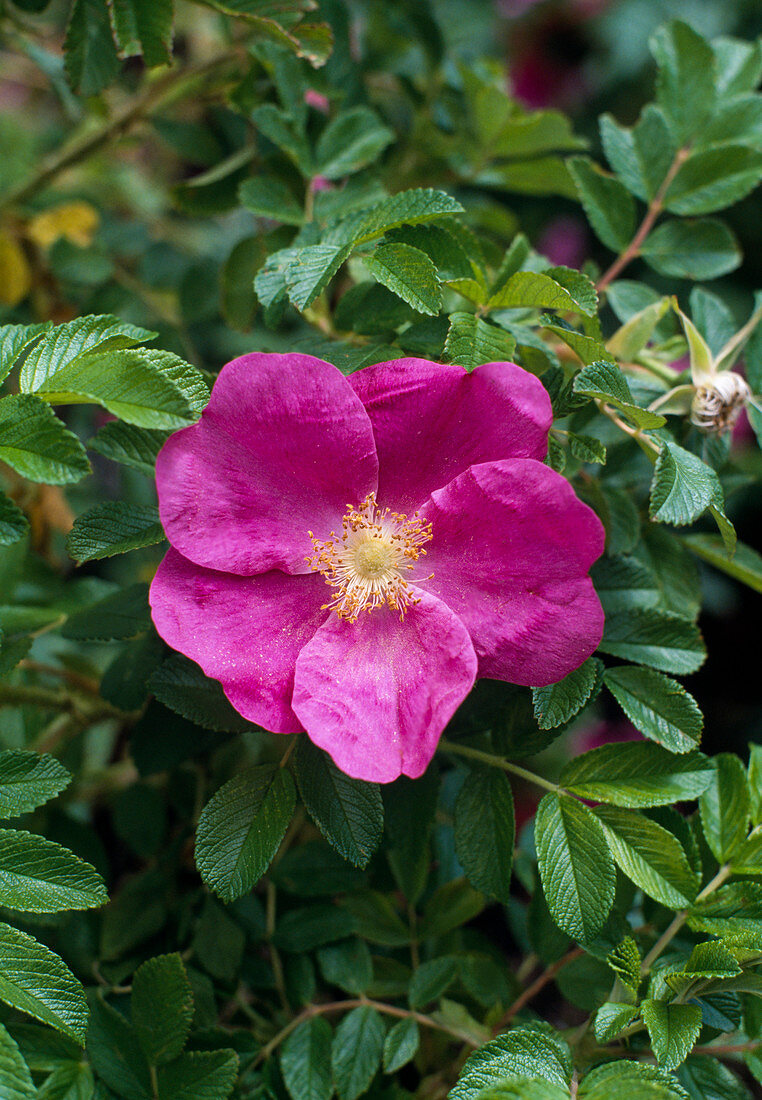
196	909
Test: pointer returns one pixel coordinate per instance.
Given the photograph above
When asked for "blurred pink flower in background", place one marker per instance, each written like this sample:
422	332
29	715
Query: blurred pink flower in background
317	100
564	241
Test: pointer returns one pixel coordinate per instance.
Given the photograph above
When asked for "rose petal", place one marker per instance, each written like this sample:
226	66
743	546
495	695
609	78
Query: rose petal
377	693
245	632
281	449
432	422
510	550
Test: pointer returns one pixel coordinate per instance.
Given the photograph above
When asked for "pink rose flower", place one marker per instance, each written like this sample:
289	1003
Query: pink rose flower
416	491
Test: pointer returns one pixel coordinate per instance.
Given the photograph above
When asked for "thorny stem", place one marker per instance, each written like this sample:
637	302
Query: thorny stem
655	207
498	762
121	121
360	1002
671	931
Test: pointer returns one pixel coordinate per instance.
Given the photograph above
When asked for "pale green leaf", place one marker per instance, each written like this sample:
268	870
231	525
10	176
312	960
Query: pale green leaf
401	1045
413	207
37	444
65	343
635	1080
702	249
309	270
713	179
35	981
725	807
149	388
472	341
39	876
673	1029
409	273
649	855
545	290
610	1019
637	774
521	1052
604	380
607	202
14	339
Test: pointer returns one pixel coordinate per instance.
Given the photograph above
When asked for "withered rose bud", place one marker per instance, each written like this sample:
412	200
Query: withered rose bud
717	405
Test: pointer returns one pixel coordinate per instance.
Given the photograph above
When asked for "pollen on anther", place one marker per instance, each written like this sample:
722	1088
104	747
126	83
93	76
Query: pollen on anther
365	565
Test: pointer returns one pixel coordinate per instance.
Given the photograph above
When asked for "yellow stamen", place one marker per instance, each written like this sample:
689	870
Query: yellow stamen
366	562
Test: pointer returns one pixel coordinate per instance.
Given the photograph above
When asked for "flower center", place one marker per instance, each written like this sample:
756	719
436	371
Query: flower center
366	564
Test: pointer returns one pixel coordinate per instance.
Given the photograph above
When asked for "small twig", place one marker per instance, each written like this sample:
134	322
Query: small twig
360	1002
76	679
654	209
121	121
720	1049
537	985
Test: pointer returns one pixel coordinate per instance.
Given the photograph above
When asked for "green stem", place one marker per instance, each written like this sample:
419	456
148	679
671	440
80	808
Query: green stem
498	762
651	449
671	931
18	695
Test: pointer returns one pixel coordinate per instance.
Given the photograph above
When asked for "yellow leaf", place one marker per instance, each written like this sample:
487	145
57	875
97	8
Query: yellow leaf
15	274
77	221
